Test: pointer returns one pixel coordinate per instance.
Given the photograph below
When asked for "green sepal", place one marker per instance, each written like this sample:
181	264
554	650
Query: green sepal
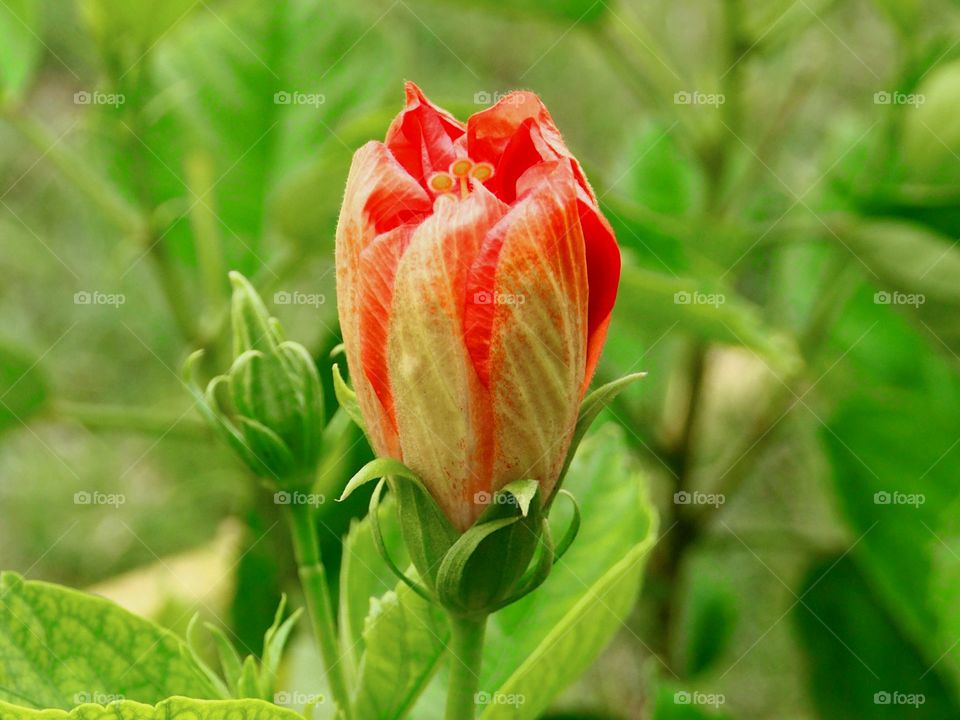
347	398
589	409
426	530
571	534
487	563
381	545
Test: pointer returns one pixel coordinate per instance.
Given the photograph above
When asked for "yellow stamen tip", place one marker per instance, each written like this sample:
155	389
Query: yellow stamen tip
462	167
441	182
482	171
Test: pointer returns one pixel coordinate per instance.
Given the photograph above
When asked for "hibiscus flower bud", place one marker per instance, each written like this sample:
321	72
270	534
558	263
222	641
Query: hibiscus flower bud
475	281
269	405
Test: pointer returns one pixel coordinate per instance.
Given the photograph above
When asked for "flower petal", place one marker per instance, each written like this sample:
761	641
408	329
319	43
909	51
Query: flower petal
380	196
423	136
442	413
516	134
529	343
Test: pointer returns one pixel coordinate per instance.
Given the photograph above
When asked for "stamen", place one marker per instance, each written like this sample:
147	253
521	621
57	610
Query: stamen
462	169
482	171
441	182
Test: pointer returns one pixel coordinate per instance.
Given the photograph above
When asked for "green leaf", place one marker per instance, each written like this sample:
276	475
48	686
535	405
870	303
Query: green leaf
20	46
897	478
382	621
23	388
364	575
859	657
57	644
404	636
176	708
916	271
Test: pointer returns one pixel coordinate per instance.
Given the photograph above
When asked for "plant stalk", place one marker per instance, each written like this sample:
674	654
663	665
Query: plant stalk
466	646
313	578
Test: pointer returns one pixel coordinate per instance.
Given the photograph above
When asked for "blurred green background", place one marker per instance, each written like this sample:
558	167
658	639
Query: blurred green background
784	180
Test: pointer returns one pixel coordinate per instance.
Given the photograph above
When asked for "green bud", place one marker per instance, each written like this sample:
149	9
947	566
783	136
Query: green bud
269	405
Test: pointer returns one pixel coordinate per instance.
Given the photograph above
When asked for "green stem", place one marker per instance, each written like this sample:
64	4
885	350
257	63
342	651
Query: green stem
96	416
466	647
313	577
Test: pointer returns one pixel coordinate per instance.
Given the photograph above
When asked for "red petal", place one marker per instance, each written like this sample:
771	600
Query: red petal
422	137
378	267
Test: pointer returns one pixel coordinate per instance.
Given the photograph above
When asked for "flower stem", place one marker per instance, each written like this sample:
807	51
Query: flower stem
466	647
313	578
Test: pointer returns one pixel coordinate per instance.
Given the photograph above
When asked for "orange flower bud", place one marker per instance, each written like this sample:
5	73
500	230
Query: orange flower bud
475	281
